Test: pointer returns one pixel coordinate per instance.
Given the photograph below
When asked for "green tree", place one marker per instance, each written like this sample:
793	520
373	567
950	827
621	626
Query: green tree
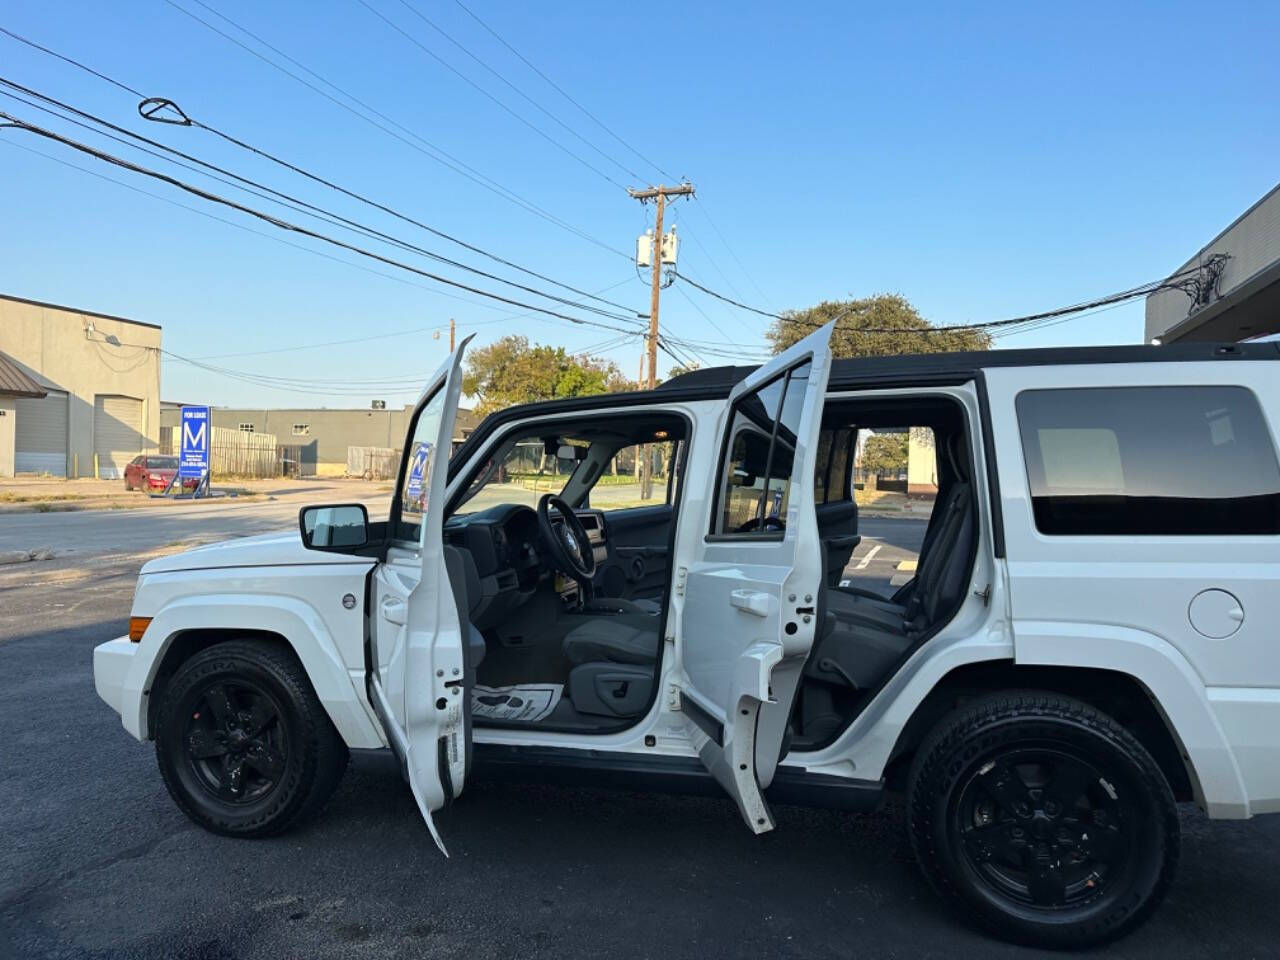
860	325
885	452
511	371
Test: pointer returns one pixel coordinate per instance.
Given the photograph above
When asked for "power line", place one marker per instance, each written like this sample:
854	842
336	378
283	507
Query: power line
300	205
423	146
454	70
248	229
286	225
434	26
319	253
408	386
560	90
696	306
75	63
388	336
1141	290
151	109
729	300
750	279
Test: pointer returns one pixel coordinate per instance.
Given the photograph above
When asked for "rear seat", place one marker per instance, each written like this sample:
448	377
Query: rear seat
864	635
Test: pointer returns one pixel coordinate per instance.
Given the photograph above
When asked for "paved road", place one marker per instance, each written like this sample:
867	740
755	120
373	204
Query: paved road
145	528
149	527
96	861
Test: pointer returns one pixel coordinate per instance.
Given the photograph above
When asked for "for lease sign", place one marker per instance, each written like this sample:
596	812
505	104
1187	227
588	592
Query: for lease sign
193	447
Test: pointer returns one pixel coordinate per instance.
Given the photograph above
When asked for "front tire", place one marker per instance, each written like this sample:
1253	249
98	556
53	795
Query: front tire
1043	819
245	747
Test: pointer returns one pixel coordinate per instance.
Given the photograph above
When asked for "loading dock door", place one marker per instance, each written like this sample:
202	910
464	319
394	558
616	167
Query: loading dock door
117	434
40	434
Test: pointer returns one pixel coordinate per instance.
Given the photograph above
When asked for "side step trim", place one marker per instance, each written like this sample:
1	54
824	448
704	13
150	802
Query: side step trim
664	774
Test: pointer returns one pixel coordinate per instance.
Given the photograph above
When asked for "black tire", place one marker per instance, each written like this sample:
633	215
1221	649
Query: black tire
1042	819
246	706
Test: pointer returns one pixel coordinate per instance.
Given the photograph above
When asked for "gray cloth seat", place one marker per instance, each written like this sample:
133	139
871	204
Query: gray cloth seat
862	636
944	552
622	638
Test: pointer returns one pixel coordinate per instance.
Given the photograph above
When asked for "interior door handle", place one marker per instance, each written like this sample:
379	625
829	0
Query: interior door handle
750	601
394	610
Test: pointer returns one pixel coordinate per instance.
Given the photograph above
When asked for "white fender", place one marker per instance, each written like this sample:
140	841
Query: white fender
297	622
1175	687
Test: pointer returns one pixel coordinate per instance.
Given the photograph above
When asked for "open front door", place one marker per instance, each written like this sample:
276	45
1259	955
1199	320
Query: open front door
749	610
419	658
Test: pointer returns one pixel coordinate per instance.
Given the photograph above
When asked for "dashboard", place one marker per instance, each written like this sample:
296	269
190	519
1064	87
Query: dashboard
506	559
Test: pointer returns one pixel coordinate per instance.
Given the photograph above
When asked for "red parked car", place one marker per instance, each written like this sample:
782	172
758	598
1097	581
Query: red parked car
154	473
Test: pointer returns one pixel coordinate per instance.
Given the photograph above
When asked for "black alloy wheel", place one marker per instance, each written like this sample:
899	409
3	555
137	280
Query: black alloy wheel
1043	826
243	743
236	746
1042	819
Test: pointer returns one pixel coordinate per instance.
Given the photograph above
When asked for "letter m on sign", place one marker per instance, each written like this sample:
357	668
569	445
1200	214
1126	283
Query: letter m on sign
193	439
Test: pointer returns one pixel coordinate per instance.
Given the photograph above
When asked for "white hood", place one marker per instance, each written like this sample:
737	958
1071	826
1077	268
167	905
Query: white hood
266	550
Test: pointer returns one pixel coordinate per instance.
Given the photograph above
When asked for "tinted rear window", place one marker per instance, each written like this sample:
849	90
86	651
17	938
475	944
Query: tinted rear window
1149	461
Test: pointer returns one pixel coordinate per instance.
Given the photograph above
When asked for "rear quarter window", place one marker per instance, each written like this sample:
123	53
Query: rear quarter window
1149	461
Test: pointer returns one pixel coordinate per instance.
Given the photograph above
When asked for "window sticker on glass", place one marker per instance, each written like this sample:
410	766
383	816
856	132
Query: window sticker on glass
418	465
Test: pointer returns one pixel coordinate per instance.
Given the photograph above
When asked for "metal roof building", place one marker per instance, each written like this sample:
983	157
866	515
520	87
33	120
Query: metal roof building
79	390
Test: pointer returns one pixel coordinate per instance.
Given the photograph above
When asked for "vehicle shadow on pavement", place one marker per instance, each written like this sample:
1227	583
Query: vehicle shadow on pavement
97	861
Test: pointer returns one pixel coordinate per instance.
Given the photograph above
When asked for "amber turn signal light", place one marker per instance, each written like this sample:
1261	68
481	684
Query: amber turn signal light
137	627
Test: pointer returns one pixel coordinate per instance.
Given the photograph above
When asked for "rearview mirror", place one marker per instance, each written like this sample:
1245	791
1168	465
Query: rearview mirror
567	451
339	527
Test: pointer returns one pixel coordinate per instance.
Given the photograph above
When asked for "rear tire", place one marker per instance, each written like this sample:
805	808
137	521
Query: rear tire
1042	819
245	747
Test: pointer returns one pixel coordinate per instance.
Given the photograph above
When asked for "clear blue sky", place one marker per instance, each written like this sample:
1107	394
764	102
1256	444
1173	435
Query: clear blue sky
983	163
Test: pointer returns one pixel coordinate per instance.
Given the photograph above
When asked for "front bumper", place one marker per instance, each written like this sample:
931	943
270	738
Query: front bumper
111	664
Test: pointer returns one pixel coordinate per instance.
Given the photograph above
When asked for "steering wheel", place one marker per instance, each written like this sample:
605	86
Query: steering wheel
770	524
570	548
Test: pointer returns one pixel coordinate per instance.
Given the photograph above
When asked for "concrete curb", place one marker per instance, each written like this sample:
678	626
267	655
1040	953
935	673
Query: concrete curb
24	556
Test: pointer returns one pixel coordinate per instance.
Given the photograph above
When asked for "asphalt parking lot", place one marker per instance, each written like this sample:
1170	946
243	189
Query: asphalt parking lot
97	862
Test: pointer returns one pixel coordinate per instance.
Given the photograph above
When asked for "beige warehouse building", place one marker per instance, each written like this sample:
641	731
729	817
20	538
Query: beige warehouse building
77	388
320	439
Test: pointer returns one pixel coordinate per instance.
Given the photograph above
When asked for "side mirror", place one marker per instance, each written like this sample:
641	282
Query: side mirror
337	528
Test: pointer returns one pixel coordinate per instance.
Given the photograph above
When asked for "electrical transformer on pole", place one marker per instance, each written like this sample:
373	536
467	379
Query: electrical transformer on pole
647	256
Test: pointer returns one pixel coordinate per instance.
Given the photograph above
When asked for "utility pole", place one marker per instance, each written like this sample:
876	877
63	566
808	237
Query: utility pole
658	194
452	331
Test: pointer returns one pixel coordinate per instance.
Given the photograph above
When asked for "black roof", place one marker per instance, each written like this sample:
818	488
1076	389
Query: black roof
860	370
712	383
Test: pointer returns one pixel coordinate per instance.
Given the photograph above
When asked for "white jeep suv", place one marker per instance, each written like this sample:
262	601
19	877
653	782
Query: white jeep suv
1089	635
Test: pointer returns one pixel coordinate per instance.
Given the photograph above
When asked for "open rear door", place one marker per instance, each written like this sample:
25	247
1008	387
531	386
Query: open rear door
419	656
748	614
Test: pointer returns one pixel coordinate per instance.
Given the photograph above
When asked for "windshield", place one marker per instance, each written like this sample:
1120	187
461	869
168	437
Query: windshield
162	463
519	473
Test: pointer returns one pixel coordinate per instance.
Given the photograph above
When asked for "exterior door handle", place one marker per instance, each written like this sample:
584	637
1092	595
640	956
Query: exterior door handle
393	610
750	601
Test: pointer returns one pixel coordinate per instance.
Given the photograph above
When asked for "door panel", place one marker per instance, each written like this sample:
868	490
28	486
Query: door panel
638	541
419	655
747	616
